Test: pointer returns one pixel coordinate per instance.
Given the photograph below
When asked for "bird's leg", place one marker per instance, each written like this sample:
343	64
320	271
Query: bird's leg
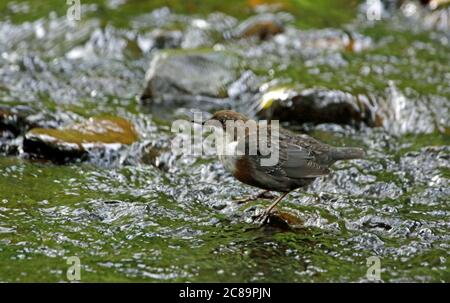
262	195
263	218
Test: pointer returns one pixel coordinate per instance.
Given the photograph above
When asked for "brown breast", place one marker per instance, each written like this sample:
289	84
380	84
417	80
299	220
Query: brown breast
244	172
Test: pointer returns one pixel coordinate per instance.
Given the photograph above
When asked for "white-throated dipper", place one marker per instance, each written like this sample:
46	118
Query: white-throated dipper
301	158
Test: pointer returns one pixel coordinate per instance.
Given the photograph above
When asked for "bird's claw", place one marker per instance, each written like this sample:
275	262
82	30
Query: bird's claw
263	217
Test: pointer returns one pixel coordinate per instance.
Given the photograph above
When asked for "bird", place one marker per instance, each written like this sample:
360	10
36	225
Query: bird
301	158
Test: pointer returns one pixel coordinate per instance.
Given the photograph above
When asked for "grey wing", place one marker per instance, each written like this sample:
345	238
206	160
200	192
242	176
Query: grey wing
299	162
294	161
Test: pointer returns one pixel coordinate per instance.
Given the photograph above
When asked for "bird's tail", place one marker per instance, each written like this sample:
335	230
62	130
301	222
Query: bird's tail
347	153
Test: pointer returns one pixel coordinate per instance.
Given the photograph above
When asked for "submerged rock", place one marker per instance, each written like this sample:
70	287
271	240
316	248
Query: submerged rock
193	73
75	141
315	105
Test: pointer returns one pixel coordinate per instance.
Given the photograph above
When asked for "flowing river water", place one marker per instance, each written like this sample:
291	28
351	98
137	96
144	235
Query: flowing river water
138	212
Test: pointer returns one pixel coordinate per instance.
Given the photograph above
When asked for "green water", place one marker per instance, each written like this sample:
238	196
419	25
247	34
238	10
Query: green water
128	220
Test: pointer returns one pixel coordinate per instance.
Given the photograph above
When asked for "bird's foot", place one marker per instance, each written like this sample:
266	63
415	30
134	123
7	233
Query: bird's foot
263	217
264	195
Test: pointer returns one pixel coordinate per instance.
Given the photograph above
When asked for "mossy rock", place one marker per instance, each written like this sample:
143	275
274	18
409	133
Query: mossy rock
73	142
284	220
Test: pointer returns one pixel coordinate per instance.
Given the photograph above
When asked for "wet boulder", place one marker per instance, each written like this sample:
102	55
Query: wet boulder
315	105
177	74
77	140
